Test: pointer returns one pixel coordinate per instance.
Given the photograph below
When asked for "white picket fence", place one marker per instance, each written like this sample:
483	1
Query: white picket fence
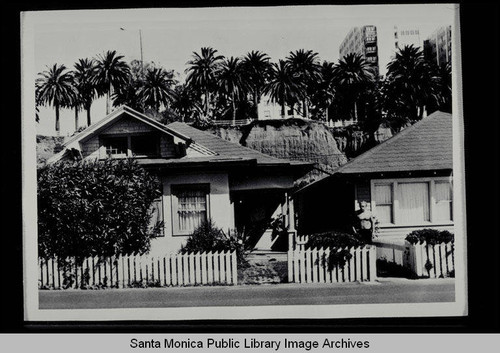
205	268
429	260
311	266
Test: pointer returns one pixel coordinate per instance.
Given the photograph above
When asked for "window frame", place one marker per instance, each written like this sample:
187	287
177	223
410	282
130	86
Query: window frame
130	152
373	203
104	140
174	190
395	201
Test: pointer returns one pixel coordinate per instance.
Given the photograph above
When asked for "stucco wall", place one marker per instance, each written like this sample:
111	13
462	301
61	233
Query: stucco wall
221	209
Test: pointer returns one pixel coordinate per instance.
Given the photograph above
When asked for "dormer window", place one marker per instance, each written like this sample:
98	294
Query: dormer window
144	145
116	147
137	146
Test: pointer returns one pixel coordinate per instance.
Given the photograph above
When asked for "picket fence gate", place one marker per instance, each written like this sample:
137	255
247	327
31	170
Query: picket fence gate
310	265
430	260
206	268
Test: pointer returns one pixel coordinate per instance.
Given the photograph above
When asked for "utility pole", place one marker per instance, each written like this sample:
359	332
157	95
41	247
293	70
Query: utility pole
142	58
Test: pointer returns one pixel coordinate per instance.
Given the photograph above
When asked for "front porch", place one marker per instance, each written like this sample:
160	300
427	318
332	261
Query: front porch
267	219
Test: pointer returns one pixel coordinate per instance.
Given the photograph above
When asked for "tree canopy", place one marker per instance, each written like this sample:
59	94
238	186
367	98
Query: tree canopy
95	208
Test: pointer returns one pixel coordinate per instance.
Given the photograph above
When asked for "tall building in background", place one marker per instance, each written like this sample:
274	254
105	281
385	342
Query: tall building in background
362	41
437	47
404	36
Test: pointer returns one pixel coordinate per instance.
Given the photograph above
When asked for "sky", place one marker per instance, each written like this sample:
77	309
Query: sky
170	36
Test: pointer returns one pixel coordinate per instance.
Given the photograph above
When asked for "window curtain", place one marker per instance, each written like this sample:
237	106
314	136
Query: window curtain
383	202
413	203
192	209
443	207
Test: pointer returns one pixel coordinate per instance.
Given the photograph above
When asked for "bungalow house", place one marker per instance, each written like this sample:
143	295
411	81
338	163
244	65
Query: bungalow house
203	176
406	180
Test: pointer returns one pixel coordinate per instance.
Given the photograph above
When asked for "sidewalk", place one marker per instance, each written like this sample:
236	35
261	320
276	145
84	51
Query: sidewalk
384	290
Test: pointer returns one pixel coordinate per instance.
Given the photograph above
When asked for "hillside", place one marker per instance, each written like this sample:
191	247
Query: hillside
46	147
297	139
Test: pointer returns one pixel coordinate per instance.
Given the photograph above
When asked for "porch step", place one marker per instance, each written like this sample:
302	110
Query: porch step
265	267
266	256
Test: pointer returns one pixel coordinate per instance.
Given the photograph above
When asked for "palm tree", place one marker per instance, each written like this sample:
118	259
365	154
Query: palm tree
353	75
55	87
185	102
84	72
325	89
76	102
38	103
412	82
202	73
444	73
282	87
127	94
156	89
256	68
111	73
231	82
304	66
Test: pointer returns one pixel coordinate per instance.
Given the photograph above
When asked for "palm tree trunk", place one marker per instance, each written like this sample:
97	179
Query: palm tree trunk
305	109
206	103
108	99
234	108
256	103
283	106
56	106
88	116
76	118
355	111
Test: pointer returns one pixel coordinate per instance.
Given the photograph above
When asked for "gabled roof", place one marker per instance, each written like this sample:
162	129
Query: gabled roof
225	148
110	118
426	145
215	150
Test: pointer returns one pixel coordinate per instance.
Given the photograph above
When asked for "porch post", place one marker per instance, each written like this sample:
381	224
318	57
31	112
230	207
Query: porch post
291	214
291	223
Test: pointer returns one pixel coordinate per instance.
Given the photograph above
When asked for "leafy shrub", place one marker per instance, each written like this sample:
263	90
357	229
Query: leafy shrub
96	208
430	236
208	238
337	241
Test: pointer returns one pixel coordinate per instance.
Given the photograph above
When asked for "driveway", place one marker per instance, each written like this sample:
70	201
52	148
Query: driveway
381	291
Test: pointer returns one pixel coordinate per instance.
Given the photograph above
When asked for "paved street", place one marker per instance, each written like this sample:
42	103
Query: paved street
382	291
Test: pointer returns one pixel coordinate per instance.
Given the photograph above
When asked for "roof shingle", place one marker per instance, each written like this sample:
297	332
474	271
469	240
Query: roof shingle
223	147
426	145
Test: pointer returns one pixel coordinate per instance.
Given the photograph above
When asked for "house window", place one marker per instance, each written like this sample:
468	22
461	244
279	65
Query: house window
443	210
190	207
116	146
413	201
144	145
384	202
131	146
156	212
